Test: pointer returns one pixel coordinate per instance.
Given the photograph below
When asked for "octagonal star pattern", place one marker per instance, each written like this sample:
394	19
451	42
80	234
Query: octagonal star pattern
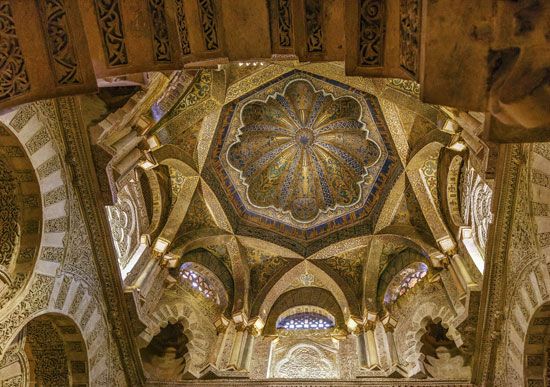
303	151
303	156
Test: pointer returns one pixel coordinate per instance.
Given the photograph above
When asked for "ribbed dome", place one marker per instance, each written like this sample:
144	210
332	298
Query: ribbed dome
303	151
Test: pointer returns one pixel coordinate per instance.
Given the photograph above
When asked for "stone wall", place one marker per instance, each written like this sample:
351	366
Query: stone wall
64	280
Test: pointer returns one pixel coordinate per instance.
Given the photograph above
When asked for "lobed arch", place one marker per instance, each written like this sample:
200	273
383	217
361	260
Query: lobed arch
321	280
198	347
424	313
448	173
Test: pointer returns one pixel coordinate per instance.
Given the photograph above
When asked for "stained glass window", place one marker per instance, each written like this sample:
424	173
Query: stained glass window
405	280
305	320
196	281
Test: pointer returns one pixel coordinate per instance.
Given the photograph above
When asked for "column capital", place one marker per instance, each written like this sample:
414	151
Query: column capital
221	324
369	325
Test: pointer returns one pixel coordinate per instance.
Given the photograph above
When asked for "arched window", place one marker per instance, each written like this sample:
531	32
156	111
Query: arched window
197	281
405	280
306	320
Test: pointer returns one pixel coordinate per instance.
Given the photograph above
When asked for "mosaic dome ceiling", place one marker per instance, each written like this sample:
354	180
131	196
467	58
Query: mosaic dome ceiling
304	156
303	152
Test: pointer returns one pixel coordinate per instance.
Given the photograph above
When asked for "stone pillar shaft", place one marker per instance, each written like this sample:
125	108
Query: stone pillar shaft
394	356
457	281
217	353
370	344
234	358
462	271
362	350
249	350
146	275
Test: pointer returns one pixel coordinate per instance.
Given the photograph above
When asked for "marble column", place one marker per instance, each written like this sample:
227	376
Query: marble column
394	356
462	271
249	349
456	280
370	345
221	339
361	349
236	350
146	278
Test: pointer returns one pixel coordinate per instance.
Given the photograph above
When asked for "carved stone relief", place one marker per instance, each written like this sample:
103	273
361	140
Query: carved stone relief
182	28
300	358
476	197
285	23
109	18
50	361
9	217
314	30
123	219
14	80
209	24
409	35
161	38
60	42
